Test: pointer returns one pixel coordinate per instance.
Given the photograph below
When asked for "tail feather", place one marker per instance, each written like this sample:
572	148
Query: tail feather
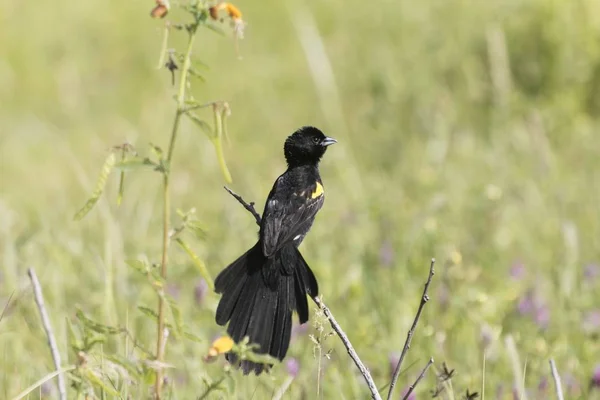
259	297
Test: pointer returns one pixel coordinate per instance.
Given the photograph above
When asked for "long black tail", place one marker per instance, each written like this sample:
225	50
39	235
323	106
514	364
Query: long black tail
259	296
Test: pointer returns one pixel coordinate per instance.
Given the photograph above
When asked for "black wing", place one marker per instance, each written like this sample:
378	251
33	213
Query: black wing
288	214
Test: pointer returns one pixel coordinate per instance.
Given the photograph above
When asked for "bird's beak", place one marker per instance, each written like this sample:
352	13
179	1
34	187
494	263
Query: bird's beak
328	141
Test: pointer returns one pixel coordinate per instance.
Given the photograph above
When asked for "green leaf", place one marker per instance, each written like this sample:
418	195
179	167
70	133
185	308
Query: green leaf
122	178
148	311
198	263
221	157
177	317
220	113
40	382
135	163
96	326
193	337
132	367
193	72
138	265
96	381
75	342
208	130
109	163
197	228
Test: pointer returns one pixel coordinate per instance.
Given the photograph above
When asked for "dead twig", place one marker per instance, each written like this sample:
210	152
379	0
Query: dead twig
424	300
39	300
556	377
421	375
334	324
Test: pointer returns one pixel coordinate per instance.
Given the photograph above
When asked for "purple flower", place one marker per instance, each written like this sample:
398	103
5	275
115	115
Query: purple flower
299	330
591	321
200	291
293	367
572	385
595	381
591	271
533	306
526	303
542	316
47	389
543	385
173	289
517	271
386	254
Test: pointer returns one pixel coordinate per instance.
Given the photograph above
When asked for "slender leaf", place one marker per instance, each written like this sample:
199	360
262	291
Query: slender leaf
148	311
97	381
122	177
135	163
193	337
96	326
109	163
208	130
42	381
198	263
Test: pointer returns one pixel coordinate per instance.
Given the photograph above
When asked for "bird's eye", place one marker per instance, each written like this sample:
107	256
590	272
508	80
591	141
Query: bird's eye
316	140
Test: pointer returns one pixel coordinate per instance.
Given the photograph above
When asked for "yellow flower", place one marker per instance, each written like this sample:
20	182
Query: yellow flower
234	14
221	345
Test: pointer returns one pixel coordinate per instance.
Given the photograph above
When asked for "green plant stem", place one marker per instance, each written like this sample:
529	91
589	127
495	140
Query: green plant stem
160	348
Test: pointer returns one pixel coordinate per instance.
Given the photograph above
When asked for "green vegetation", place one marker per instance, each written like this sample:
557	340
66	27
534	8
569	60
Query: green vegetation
468	131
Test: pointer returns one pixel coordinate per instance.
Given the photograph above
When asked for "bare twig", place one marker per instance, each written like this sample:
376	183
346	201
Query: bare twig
334	324
421	375
247	206
556	377
424	300
351	352
39	300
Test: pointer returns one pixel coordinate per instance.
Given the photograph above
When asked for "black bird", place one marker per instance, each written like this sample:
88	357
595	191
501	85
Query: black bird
264	286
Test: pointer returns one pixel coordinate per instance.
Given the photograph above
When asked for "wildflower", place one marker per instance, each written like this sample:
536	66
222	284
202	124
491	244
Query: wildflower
595	381
221	345
161	9
517	271
293	367
234	14
591	271
200	291
386	254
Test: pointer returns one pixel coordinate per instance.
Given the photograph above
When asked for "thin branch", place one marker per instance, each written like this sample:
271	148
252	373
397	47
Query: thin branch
421	375
334	324
424	300
556	377
247	206
39	301
351	352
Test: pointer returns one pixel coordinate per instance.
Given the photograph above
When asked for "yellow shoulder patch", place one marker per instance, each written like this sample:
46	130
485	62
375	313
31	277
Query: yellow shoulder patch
318	191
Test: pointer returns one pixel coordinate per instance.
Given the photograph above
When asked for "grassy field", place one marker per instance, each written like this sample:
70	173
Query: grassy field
468	132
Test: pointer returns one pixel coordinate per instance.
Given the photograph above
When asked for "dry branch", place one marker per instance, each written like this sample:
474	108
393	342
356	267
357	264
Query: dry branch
39	300
424	300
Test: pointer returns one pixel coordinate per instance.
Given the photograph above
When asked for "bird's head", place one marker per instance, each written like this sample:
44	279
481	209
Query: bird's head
306	146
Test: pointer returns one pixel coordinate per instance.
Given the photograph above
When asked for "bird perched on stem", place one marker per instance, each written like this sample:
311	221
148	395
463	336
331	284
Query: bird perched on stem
263	287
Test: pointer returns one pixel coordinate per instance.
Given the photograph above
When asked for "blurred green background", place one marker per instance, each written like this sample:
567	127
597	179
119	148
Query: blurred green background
467	132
